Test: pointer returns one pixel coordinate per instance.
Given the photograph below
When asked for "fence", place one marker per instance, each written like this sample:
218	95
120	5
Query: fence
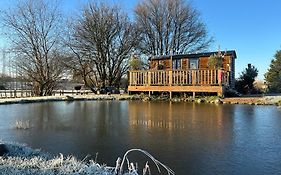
20	93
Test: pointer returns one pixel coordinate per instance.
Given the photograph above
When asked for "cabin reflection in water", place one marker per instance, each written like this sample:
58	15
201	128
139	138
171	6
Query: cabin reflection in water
174	116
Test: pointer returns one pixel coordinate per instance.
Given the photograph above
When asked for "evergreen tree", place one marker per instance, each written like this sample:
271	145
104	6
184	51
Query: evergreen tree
245	82
273	75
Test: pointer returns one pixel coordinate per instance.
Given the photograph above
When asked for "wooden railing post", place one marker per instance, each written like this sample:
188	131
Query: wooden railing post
170	77
193	75
148	78
220	77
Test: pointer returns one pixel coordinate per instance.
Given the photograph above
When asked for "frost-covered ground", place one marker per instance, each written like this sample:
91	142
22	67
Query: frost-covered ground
66	98
273	99
23	160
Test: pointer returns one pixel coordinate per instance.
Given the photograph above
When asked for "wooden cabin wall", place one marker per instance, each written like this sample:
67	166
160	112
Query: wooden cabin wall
153	64
226	63
185	63
203	62
232	73
167	64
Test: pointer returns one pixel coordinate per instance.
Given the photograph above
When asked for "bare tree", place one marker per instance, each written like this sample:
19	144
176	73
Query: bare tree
170	26
79	63
102	41
33	27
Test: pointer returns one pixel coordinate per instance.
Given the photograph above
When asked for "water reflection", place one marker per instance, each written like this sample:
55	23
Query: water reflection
181	116
190	138
153	117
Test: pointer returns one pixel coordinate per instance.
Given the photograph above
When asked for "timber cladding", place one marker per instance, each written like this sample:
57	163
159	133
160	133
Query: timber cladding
202	61
215	89
185	61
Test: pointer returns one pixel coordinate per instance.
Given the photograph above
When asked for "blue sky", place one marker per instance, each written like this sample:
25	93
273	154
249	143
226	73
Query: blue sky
251	27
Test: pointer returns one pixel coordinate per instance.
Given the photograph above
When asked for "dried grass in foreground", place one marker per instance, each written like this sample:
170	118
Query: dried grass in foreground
22	160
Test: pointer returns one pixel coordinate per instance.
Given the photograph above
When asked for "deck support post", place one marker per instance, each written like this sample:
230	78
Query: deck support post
171	95
149	94
193	94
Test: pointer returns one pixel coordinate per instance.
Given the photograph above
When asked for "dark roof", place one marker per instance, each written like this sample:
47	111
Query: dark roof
195	55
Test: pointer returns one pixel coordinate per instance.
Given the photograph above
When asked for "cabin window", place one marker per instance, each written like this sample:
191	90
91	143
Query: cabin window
193	63
177	64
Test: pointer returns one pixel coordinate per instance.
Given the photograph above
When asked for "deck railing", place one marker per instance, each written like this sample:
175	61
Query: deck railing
197	77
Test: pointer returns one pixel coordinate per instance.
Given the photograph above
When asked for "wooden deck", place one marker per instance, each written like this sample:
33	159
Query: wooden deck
199	80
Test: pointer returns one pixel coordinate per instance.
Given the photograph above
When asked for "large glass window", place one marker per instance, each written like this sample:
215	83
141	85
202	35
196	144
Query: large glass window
193	63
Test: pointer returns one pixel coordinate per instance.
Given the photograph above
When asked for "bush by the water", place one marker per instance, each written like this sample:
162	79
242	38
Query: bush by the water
245	83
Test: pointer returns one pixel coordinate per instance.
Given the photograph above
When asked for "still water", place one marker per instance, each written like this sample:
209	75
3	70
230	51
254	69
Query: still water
189	138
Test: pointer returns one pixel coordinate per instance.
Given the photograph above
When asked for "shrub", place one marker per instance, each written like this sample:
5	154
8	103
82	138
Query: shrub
135	63
216	61
244	84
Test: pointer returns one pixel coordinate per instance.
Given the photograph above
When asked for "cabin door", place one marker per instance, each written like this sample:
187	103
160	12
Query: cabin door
193	63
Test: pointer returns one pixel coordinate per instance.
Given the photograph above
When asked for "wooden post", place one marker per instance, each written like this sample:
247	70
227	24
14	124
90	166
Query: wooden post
220	77
193	75
171	82
170	77
148	78
193	95
221	92
211	77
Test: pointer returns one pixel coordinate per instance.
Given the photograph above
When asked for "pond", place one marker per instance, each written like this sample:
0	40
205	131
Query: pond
189	138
